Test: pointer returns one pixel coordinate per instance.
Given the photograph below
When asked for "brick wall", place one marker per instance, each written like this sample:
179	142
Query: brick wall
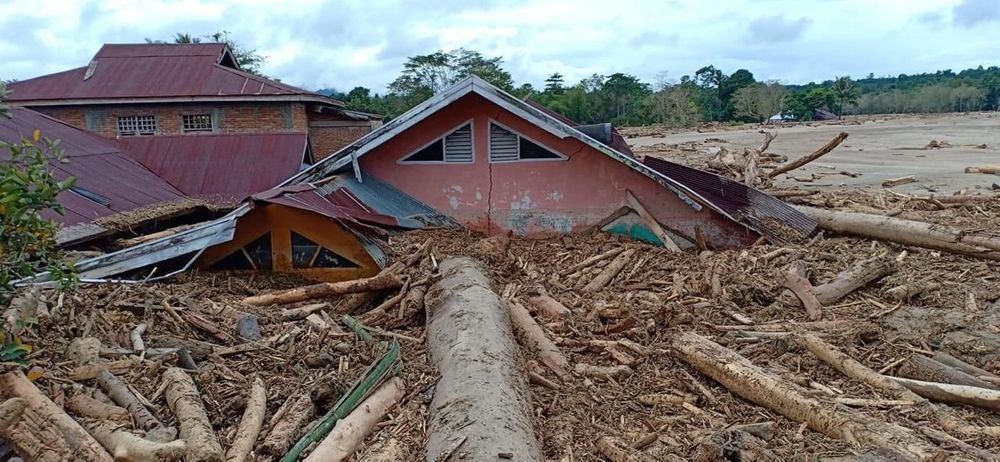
226	118
328	140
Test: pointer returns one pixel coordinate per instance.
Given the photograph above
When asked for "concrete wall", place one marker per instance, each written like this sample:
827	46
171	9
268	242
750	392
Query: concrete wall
532	197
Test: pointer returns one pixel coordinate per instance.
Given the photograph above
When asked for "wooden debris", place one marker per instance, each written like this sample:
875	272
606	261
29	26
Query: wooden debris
532	335
949	360
294	314
861	274
91	371
893	182
908	291
136	335
42	431
603	372
987	169
796	281
609	272
923	368
809	158
85	406
616	450
288	425
539	298
250	424
327	289
195	428
948	393
126	446
119	392
591	261
651	222
350	431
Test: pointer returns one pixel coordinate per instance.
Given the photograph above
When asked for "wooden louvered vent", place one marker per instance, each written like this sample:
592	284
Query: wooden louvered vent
458	145
503	144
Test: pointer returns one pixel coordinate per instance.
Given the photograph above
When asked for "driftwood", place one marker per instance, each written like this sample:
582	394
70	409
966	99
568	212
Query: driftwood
809	158
987	169
616	450
796	281
481	397
347	436
195	428
125	446
544	303
923	368
751	168
751	382
288	425
963	366
948	393
908	291
651	222
250	423
591	261
892	182
532	336
327	289
85	406
609	272
294	314
119	392
861	274
42	431
92	371
906	232
787	193
136	336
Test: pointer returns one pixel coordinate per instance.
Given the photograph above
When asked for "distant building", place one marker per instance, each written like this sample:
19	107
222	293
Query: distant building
150	90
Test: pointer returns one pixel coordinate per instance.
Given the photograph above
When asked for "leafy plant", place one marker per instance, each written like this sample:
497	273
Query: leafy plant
12	350
28	186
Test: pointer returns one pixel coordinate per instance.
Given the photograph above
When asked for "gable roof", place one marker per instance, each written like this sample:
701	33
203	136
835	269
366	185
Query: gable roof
158	73
102	169
226	167
771	222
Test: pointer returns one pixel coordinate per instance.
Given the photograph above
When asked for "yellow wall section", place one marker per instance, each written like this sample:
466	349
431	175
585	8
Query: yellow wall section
280	221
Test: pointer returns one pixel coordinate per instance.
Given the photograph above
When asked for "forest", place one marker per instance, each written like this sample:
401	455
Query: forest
710	95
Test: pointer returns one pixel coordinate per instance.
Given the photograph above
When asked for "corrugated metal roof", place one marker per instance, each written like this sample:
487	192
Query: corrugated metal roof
382	198
144	71
307	197
227	167
99	165
765	213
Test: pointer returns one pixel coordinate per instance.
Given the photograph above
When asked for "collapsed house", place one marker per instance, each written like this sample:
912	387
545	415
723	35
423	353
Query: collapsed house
477	157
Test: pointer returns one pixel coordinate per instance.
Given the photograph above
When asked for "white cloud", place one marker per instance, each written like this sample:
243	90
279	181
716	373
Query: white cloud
346	43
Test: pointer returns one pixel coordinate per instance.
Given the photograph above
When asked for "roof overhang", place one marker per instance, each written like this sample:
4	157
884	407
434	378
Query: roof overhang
299	98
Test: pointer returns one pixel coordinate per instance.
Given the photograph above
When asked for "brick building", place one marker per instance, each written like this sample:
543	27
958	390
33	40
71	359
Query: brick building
138	90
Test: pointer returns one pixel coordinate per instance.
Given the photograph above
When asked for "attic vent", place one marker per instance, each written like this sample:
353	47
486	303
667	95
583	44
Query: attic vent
455	147
507	146
90	69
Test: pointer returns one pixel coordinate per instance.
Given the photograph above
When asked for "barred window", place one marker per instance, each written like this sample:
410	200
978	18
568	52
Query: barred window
196	123
136	125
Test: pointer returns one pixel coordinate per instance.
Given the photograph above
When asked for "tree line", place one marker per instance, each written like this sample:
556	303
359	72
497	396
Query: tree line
710	95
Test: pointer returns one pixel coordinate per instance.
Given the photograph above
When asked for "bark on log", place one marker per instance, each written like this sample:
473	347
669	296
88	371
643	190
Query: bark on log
543	302
908	291
651	222
747	380
906	232
949	360
609	272
195	428
987	169
809	158
136	335
250	424
948	393
923	368
532	335
860	275
795	280
43	432
481	396
11	411
327	289
289	426
591	261
347	436
128	447
118	391
85	406
617	451
294	314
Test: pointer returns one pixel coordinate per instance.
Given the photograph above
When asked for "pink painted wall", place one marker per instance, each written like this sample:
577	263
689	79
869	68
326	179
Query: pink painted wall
531	197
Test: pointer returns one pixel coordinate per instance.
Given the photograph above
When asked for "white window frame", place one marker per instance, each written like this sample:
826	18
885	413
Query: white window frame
489	150
135	123
209	129
443	138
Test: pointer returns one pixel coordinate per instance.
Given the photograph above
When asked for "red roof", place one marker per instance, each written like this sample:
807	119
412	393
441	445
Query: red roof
228	167
100	167
156	71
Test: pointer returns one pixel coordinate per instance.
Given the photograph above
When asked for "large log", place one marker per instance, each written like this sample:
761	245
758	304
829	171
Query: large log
906	232
250	424
347	436
609	272
43	432
128	447
751	382
923	368
481	397
185	401
383	281
948	393
808	158
861	274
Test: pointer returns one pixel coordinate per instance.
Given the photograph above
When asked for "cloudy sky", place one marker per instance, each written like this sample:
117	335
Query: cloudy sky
342	44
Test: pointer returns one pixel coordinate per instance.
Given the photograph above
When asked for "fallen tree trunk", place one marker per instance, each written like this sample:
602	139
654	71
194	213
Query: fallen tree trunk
906	232
384	281
609	272
118	391
195	428
532	335
125	446
808	158
288	425
481	397
948	393
751	382
347	436
543	302
861	274
85	406
42	431
949	360
923	368
250	423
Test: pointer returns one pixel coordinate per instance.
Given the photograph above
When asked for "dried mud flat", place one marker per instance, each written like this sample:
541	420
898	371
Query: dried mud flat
655	400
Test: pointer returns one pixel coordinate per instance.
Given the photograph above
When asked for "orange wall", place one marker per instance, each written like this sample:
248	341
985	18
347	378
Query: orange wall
531	197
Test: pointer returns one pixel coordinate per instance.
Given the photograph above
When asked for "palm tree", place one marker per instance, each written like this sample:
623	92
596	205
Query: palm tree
845	92
185	38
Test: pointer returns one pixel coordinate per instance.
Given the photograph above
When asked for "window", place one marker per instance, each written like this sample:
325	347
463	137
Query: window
455	147
308	254
196	123
507	146
255	255
136	125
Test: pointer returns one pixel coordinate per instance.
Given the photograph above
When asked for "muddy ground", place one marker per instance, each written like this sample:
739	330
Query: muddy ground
878	148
